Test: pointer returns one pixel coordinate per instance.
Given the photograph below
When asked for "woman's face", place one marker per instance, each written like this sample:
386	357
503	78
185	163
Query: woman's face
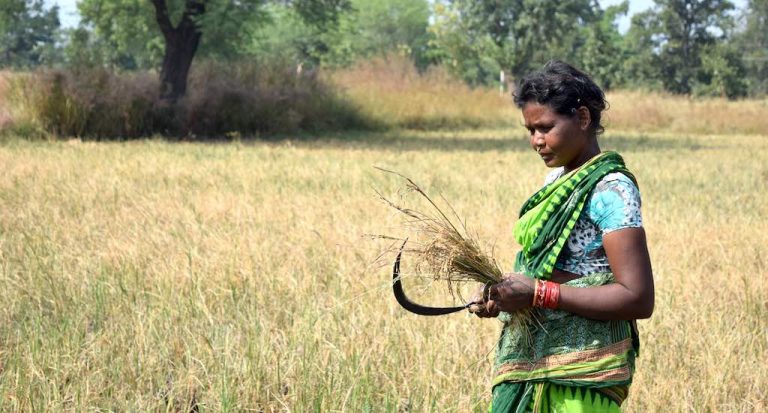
560	140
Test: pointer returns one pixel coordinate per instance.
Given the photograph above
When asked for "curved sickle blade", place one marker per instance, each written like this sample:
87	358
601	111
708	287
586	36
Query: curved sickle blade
397	288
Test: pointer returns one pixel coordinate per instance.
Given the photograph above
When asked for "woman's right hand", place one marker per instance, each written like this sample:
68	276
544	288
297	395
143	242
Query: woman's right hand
481	305
513	293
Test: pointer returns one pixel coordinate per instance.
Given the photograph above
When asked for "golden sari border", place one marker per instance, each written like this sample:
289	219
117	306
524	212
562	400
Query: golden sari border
558	360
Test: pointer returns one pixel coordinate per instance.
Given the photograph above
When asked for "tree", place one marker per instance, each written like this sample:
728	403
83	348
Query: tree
27	32
469	54
172	33
721	73
128	35
525	33
181	42
753	41
367	28
321	20
603	52
380	26
641	44
687	28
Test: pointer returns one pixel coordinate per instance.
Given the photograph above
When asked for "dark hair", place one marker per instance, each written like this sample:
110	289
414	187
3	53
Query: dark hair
563	88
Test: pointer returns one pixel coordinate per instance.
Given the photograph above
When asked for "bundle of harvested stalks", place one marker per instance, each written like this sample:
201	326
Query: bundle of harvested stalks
445	249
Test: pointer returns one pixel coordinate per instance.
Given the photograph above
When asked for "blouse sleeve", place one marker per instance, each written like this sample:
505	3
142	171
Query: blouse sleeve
615	204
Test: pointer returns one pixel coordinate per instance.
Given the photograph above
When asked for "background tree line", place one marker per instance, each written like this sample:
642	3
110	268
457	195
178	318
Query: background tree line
700	47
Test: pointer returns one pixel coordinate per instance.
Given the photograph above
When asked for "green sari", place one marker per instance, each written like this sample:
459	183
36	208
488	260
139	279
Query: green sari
564	363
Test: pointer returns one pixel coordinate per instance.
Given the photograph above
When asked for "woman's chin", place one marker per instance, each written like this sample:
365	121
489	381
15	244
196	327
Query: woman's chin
550	161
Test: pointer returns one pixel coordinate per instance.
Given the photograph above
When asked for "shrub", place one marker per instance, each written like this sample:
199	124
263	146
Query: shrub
242	99
250	98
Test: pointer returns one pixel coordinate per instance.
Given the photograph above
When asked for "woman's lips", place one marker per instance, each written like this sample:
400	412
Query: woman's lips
546	156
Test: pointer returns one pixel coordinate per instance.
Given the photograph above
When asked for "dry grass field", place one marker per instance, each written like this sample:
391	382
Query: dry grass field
157	276
394	93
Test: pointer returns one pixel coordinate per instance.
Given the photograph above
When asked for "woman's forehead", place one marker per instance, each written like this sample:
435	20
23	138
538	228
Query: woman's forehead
534	112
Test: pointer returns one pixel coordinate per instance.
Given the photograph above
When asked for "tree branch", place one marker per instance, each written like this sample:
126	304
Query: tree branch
192	10
161	15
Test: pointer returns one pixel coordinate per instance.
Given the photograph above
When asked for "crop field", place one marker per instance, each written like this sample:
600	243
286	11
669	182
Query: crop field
165	276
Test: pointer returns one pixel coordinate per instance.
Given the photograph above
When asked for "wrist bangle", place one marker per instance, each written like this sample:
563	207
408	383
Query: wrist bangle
546	294
552	298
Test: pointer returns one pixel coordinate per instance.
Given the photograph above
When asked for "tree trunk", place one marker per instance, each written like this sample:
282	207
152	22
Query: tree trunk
180	49
181	43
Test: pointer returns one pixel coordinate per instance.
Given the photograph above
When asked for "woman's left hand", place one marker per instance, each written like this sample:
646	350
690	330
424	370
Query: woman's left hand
513	293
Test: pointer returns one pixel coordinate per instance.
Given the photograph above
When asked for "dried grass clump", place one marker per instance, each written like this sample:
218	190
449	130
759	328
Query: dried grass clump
446	250
222	102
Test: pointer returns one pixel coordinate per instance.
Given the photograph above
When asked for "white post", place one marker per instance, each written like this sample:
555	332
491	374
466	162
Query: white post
501	83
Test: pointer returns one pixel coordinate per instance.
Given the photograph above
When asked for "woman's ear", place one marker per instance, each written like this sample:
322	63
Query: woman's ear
585	118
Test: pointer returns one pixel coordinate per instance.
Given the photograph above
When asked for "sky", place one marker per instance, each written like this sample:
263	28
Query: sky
67	12
635	6
69	17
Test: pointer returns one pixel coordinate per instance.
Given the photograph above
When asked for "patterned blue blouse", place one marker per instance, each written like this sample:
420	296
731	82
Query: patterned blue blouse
614	204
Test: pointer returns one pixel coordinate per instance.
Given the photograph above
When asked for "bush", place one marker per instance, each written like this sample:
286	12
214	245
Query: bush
87	103
263	99
232	100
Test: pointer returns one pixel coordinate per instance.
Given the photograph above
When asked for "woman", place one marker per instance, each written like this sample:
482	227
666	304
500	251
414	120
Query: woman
584	265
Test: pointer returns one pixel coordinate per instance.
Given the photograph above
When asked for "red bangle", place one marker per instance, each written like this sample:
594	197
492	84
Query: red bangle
553	297
546	294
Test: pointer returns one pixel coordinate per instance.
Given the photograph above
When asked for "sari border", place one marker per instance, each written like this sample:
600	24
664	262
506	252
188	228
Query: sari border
607	363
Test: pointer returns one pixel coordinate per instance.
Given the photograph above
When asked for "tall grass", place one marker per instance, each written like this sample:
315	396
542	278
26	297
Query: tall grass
5	110
657	112
392	91
248	99
153	276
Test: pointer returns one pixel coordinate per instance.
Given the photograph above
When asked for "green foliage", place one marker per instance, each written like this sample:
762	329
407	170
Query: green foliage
641	42
469	54
753	42
27	33
379	27
122	33
284	36
519	35
687	28
683	46
299	33
127	36
603	52
365	29
721	73
321	14
84	50
304	32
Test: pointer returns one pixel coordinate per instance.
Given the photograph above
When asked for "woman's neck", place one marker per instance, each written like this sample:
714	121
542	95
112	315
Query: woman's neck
589	152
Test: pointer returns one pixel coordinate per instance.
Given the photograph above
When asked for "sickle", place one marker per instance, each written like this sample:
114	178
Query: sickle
397	288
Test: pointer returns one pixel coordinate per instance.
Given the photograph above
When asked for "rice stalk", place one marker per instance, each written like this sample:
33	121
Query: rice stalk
446	250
